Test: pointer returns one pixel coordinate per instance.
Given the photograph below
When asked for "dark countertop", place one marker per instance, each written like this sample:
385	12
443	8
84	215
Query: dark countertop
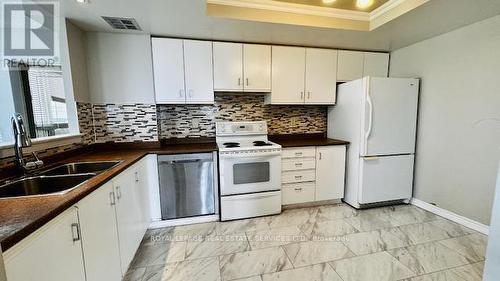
305	140
19	217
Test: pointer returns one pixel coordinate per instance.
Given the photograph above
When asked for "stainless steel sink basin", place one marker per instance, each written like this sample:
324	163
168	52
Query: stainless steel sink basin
81	168
42	185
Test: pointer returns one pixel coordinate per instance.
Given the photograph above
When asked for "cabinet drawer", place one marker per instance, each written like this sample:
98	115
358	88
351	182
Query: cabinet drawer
297	193
299	152
298	164
298	176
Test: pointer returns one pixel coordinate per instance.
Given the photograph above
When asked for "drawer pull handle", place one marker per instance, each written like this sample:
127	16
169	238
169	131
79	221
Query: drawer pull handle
298	177
298	164
298	189
75	231
298	153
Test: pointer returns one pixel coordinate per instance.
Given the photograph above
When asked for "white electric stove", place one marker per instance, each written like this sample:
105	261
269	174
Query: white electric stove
249	170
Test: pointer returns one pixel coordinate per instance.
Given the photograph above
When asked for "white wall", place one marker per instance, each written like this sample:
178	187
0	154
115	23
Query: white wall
492	270
77	42
119	67
459	119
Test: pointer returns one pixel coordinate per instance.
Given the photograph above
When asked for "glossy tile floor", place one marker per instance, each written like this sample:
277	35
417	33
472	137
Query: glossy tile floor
334	242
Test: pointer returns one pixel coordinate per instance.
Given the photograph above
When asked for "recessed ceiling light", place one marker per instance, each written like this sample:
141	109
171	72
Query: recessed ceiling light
364	3
82	1
329	1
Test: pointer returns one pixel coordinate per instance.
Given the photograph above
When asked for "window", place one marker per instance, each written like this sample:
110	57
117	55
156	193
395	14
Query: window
37	93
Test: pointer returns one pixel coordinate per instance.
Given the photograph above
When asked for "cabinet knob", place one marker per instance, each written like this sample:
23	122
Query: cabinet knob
308	95
239	81
298	189
75	231
247	81
181	93
112	200
301	95
320	156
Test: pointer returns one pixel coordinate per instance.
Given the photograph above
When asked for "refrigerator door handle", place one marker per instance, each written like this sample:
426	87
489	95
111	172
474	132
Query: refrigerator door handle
370	120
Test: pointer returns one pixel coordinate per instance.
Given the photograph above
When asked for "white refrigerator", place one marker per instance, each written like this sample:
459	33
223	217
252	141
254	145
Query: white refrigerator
378	116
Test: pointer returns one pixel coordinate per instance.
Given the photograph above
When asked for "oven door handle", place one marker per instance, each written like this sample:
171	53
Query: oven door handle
249	155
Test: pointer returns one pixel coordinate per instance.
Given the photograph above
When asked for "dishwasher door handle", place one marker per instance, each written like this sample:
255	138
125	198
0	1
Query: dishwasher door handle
181	161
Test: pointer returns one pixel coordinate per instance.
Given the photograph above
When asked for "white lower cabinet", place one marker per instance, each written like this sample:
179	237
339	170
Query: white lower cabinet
313	174
52	253
330	172
92	241
100	236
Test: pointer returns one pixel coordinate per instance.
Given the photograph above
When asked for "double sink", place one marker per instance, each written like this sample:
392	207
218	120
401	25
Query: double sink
58	180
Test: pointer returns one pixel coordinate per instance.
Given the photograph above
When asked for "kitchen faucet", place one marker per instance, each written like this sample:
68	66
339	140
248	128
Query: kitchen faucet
22	140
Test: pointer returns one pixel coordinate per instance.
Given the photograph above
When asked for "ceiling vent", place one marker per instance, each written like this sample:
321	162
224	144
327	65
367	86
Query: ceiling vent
122	23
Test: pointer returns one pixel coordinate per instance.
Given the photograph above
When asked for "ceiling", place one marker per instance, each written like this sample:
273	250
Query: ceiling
338	4
187	18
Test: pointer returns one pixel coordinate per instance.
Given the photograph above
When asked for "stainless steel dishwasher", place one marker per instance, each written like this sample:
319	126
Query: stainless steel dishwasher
187	185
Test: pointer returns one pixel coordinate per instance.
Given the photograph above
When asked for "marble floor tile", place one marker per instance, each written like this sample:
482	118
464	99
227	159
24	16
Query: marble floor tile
453	229
250	263
374	267
275	237
253	278
154	273
473	246
206	269
428	258
376	241
135	274
239	226
318	272
216	246
158	236
471	272
410	215
313	252
328	229
159	254
333	212
194	231
373	220
424	232
293	217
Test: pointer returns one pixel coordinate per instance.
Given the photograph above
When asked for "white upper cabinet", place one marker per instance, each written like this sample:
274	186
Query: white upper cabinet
355	65
288	72
168	66
321	76
198	72
183	71
257	68
376	64
228	66
242	67
350	65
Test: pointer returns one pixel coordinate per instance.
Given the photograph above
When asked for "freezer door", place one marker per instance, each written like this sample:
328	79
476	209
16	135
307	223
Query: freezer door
390	116
385	178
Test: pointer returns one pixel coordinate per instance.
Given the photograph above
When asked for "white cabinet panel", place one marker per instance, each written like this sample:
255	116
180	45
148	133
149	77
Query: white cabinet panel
198	72
330	172
257	68
228	66
297	193
168	70
376	64
52	253
288	71
321	76
99	235
127	216
350	65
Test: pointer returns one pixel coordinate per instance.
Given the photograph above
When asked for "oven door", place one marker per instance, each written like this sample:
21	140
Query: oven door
240	174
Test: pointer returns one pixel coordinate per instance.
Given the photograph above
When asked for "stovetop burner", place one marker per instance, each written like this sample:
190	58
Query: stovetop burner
231	144
261	143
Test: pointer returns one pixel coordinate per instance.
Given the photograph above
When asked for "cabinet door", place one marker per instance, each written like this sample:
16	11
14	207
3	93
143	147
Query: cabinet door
350	65
330	172
127	216
198	72
288	70
257	68
99	235
321	76
52	253
228	66
168	70
143	181
376	64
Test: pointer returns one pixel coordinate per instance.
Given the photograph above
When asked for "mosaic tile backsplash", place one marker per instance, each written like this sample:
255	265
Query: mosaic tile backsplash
125	122
86	122
180	121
